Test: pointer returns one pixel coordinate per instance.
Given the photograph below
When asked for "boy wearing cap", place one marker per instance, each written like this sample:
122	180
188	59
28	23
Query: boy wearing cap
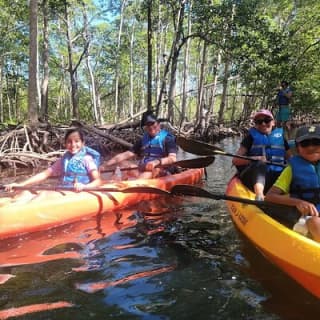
263	143
299	183
157	147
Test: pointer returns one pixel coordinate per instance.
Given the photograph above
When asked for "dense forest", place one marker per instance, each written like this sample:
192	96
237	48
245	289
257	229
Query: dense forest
107	61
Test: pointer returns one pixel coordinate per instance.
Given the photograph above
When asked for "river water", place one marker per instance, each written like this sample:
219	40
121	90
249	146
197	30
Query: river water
166	259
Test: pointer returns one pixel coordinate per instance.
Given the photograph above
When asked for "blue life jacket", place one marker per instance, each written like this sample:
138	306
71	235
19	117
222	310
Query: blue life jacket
271	146
153	148
74	168
305	182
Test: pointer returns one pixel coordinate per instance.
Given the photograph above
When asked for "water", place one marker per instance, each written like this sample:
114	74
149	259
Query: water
177	259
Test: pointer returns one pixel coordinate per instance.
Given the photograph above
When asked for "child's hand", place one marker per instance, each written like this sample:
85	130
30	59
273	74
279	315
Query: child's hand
79	186
307	208
260	158
10	187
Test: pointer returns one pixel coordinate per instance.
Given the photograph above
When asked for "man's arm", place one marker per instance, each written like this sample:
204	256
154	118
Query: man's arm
171	149
288	93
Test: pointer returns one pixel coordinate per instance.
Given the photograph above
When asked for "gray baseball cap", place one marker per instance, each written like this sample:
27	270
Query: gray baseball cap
307	133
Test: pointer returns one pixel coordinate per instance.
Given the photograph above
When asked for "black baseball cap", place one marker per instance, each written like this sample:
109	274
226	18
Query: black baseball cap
148	119
307	133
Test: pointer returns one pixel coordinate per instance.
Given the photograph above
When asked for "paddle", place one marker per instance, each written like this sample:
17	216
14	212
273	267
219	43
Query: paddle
189	163
205	149
190	190
136	189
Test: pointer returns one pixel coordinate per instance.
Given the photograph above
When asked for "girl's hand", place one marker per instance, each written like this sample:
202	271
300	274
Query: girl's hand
307	208
261	158
10	187
79	186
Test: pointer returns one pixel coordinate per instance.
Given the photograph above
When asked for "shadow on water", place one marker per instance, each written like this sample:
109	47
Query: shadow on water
165	259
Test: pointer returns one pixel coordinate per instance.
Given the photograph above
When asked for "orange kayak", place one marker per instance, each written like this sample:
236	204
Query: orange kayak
295	254
54	208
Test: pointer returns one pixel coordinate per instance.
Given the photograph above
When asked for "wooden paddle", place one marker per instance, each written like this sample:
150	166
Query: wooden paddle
135	189
194	191
189	163
205	149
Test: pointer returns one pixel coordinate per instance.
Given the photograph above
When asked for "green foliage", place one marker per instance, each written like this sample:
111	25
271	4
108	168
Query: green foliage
263	41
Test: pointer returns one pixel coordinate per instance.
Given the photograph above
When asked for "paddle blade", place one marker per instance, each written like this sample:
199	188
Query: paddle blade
196	147
195	163
189	190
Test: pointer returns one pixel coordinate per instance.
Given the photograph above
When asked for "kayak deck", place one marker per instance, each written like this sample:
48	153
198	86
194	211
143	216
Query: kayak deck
295	254
53	208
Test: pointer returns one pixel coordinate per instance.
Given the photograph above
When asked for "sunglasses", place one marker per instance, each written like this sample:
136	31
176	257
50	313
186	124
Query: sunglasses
309	142
261	121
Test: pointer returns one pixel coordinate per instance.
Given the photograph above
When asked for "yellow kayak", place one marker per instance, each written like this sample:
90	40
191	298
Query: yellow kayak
293	253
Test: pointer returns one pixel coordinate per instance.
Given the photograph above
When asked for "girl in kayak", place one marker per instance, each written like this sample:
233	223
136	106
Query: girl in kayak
78	167
263	143
299	183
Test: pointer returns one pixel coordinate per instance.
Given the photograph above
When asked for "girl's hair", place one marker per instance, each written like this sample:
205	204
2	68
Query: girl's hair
70	131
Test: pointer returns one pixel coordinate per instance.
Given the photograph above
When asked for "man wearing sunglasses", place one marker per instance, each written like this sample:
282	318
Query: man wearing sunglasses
299	183
263	143
157	147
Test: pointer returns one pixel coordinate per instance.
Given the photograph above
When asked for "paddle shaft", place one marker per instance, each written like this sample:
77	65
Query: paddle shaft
194	191
189	163
177	190
223	153
134	189
202	148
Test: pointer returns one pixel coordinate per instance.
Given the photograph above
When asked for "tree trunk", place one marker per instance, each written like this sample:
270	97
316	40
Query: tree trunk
45	62
201	110
93	90
8	98
1	92
176	46
224	91
159	53
149	80
234	101
33	63
213	89
185	72
71	70
117	76
131	72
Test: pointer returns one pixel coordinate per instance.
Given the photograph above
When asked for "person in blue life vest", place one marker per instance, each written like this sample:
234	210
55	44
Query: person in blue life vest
283	100
156	147
263	143
77	168
299	183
